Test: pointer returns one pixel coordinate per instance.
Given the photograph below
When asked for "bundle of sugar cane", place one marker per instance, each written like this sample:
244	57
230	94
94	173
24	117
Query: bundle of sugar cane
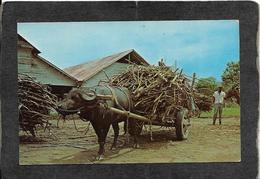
157	91
203	102
35	102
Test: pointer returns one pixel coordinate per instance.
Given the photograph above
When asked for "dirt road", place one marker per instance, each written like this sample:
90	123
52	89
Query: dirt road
206	143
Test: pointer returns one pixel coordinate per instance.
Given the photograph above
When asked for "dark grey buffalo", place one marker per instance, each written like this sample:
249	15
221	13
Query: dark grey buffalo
92	105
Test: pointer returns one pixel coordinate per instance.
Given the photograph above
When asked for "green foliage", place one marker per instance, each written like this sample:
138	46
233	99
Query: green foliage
231	75
233	111
206	86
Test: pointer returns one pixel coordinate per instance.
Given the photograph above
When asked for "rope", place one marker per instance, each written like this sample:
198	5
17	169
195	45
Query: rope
114	97
129	109
86	130
66	112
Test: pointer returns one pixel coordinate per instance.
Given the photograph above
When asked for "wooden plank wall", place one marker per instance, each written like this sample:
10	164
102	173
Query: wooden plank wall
33	66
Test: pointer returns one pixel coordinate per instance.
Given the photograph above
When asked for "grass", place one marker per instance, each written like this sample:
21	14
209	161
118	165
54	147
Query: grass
231	111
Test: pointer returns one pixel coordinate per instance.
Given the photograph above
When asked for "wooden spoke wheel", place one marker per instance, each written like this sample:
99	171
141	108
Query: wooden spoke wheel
182	124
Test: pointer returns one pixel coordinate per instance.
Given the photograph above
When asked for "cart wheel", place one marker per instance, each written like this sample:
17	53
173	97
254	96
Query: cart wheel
182	124
135	127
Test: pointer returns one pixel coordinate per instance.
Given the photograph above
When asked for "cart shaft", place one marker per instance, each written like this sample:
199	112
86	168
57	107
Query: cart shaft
131	115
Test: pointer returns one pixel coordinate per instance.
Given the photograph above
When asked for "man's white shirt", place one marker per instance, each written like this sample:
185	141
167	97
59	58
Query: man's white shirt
219	97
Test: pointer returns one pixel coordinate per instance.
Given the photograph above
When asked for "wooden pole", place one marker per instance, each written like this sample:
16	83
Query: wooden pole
131	115
100	96
193	81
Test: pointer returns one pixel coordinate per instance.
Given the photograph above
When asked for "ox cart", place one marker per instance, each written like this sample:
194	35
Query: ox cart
180	120
161	96
140	96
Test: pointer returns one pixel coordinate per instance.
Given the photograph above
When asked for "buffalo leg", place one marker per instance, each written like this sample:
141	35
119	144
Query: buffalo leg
136	145
116	133
101	143
102	140
134	132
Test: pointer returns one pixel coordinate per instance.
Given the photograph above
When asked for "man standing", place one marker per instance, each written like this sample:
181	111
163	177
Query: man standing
218	100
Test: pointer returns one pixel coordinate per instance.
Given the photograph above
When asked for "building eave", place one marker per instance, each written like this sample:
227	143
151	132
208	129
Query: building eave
58	69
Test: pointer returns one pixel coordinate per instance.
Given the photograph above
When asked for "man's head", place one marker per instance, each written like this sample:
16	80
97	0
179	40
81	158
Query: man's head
220	88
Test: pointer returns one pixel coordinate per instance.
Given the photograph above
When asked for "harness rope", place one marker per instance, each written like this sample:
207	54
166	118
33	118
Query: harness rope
65	112
114	98
68	111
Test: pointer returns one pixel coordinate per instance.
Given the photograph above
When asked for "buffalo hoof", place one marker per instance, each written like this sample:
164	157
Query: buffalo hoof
100	157
113	147
136	146
126	143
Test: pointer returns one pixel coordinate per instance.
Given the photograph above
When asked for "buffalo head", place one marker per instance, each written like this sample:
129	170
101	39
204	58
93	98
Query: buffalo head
78	98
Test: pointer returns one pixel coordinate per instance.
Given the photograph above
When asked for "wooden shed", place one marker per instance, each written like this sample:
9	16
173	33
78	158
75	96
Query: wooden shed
91	73
35	66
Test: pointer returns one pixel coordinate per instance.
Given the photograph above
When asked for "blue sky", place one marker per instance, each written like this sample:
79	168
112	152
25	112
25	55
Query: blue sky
203	47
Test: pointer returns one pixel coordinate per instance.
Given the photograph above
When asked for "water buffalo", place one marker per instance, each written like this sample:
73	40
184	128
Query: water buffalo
92	107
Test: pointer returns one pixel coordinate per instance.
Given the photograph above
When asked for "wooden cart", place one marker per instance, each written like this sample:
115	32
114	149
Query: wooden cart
181	122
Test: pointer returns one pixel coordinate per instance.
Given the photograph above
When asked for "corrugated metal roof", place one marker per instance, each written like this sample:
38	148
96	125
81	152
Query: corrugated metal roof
87	70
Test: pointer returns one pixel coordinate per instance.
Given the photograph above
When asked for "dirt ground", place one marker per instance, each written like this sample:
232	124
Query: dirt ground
206	143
